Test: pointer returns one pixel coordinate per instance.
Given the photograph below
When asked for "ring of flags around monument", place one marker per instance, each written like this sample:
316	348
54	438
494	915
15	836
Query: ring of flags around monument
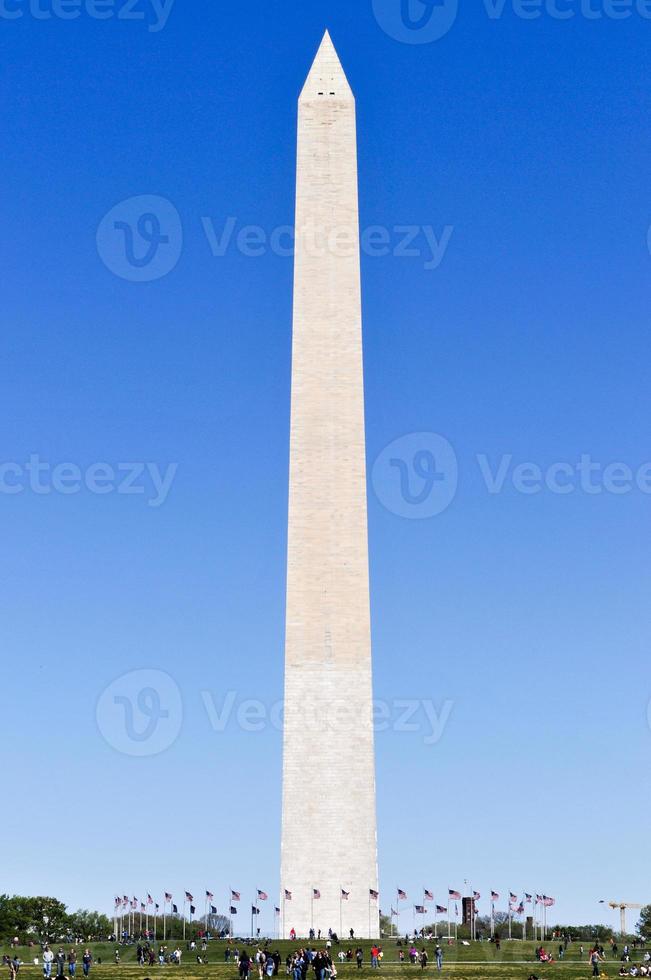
123	905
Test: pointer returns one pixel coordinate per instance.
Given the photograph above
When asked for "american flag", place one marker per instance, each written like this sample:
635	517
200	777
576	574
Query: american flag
345	894
235	896
262	896
168	897
548	902
255	910
150	900
495	896
288	895
316	893
512	897
192	910
428	894
175	909
420	909
520	908
213	910
157	906
401	894
476	896
539	898
372	892
134	903
118	902
393	911
209	896
527	897
233	910
454	894
189	897
441	910
142	906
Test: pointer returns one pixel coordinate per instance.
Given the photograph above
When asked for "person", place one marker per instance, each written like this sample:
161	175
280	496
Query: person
72	962
319	964
594	961
48	958
352	933
245	965
423	958
86	961
61	963
374	955
359	956
438	952
13	968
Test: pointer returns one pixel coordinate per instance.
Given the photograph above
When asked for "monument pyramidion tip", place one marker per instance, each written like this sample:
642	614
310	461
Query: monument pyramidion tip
326	79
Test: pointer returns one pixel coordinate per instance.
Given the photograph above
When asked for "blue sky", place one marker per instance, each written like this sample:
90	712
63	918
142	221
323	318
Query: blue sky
518	619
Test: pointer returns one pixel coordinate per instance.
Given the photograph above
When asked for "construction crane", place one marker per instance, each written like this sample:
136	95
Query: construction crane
622	906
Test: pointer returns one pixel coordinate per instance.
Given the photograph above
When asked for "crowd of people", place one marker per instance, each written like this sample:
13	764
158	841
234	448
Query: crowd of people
60	961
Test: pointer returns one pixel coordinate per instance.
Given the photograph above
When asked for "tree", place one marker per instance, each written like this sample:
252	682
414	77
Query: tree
89	925
643	926
23	916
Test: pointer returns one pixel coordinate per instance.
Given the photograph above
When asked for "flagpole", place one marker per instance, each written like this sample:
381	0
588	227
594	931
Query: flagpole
341	928
184	900
524	920
164	919
312	910
449	921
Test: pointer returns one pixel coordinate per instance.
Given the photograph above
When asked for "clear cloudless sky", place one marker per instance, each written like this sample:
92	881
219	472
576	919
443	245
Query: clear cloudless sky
529	613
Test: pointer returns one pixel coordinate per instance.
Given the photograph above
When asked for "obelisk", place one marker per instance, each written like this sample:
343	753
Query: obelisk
329	845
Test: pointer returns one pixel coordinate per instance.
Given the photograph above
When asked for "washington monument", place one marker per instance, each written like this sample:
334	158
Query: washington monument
329	846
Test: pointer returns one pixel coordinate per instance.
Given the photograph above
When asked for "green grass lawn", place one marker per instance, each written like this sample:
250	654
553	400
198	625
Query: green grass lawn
479	961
